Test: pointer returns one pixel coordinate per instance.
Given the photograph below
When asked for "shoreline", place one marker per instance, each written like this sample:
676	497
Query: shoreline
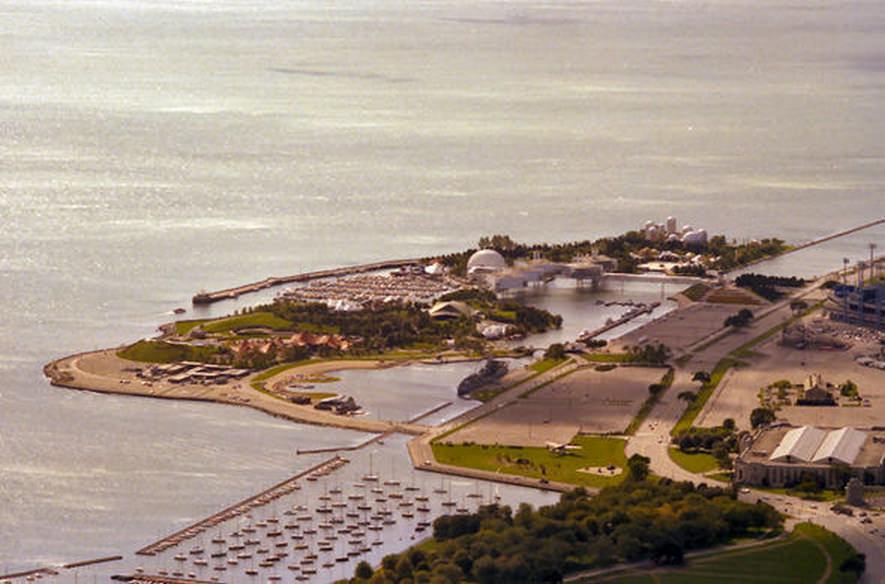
69	373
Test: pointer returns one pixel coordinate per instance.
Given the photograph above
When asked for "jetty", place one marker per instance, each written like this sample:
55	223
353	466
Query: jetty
639	311
816	241
430	412
283	488
228	293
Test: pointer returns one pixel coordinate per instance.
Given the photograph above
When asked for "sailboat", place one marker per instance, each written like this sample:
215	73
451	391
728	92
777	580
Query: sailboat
371	477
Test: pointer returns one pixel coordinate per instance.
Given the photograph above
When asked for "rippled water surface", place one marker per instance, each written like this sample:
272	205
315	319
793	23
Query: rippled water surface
152	148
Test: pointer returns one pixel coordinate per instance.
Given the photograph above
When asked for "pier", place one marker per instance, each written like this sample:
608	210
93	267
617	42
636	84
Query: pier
284	488
648	309
228	293
363	444
816	241
429	412
39	573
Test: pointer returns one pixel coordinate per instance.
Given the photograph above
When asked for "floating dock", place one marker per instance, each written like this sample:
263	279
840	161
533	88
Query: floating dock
228	293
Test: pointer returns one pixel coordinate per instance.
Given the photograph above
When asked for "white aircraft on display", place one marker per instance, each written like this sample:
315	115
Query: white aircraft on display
561	447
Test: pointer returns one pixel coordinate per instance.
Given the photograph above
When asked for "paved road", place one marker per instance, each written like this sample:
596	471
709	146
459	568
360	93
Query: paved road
652	440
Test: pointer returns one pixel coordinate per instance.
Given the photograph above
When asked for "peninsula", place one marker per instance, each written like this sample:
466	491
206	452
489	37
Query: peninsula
663	389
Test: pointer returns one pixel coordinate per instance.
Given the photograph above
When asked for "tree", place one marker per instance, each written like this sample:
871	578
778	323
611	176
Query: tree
701	376
855	564
637	467
363	570
556	352
687	396
668	553
848	389
403	567
729	424
720	453
741	319
761	417
655	388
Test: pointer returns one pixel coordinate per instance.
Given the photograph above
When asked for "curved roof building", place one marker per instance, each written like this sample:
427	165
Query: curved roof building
486	260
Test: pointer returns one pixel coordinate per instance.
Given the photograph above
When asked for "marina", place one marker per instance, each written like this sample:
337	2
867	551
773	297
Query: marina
318	532
228	293
241	508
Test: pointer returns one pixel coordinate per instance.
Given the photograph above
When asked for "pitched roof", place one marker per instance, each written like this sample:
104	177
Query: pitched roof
841	445
799	443
810	444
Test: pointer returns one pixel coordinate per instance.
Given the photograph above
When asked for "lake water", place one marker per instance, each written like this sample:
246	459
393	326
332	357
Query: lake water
153	148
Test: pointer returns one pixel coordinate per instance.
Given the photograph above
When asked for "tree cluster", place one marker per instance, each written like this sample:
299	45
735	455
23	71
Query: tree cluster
761	417
741	319
629	522
734	255
720	441
766	286
653	354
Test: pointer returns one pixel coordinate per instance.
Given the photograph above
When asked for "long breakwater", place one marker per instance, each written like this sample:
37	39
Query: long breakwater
210	297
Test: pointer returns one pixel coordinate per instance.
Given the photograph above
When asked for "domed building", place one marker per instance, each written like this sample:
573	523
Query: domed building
486	261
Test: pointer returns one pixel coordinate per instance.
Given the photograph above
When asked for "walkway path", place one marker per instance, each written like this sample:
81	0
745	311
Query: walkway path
652	439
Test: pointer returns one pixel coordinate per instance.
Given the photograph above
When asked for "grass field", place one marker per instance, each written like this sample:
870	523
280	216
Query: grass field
539	462
731	297
800	558
607	357
183	327
695	407
722	477
161	352
649	404
696	292
255	319
545	365
696	463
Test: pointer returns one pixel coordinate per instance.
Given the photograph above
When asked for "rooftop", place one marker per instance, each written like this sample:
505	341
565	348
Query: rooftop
812	445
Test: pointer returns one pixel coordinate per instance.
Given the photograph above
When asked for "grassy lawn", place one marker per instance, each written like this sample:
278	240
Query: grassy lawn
799	559
545	365
695	407
722	477
255	319
313	396
731	297
537	462
698	463
745	349
161	352
183	327
696	292
268	373
607	357
837	548
824	496
649	404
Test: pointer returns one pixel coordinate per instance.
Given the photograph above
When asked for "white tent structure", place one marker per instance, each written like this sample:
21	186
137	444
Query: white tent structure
810	444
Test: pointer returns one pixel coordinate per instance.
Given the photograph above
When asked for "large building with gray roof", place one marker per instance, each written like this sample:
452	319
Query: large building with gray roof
782	455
